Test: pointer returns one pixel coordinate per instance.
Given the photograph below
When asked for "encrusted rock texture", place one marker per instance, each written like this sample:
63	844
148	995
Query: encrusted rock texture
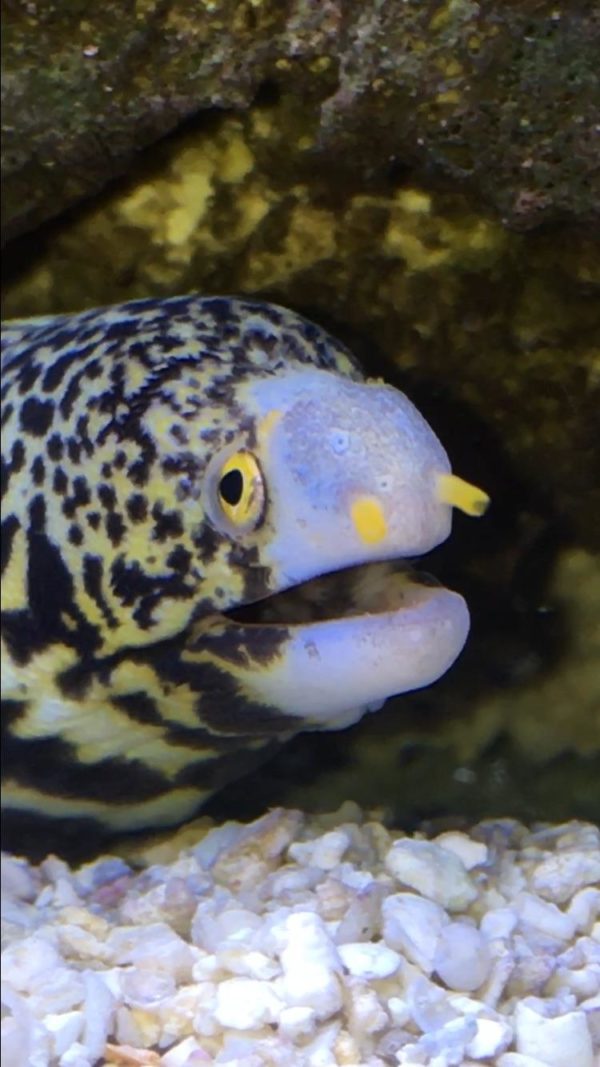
503	96
296	942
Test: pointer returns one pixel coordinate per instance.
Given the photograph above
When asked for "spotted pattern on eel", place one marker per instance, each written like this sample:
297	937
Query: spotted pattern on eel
204	509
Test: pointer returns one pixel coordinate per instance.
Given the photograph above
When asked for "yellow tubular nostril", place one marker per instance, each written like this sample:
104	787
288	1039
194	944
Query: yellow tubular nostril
369	520
462	495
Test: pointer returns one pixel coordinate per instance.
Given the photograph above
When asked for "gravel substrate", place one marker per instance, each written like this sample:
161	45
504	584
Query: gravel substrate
302	941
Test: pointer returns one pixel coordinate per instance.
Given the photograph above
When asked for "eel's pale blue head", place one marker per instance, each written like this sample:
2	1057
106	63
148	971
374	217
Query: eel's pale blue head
345	474
358	468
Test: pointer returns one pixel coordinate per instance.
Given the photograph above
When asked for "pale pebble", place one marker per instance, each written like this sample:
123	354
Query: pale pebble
499	923
500	974
310	964
65	1029
433	871
186	1053
578	836
312	985
79	943
292	883
25	1042
444	1047
583	982
561	1041
44	898
216	841
590	946
413	925
360	881
471	853
215	929
365	959
98	1010
493	1037
65	893
204	1022
462	958
77	1056
399	1010
53	868
144	988
177	1013
127	1027
366	1014
531	973
298	1021
319	1051
102	872
65	991
245	1003
563	874
591	1007
206	966
361	919
324	852
429	1005
156	946
247	962
17	878
469	1006
584	908
544	916
27	964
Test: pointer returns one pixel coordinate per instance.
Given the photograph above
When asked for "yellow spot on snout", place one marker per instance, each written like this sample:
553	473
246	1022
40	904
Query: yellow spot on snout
369	520
462	495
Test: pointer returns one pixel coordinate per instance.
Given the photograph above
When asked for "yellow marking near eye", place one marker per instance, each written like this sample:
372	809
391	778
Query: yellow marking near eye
462	495
268	424
369	520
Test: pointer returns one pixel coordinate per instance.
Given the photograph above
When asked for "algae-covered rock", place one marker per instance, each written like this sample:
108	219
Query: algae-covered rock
501	96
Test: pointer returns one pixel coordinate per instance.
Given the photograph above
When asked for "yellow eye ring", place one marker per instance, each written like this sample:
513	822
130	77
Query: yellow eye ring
241	490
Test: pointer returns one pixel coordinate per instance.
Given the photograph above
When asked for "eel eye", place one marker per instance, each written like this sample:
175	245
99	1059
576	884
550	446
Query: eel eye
241	490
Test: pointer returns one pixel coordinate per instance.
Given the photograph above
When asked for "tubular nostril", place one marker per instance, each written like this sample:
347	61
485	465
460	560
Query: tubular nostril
450	489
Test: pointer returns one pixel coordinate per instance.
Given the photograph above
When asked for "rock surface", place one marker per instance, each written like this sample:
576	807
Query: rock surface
502	97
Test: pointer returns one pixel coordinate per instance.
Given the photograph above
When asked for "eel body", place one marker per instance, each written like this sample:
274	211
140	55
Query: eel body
204	506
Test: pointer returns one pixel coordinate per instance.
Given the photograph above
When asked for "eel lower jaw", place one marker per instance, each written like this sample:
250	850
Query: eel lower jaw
343	643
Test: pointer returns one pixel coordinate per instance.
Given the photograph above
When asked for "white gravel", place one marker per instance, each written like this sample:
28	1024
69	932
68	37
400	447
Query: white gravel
304	941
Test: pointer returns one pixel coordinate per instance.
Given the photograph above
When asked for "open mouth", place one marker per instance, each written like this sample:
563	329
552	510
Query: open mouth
341	644
366	589
334	646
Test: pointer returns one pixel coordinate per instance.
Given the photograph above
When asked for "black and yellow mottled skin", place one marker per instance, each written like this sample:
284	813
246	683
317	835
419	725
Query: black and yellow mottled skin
164	464
102	570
